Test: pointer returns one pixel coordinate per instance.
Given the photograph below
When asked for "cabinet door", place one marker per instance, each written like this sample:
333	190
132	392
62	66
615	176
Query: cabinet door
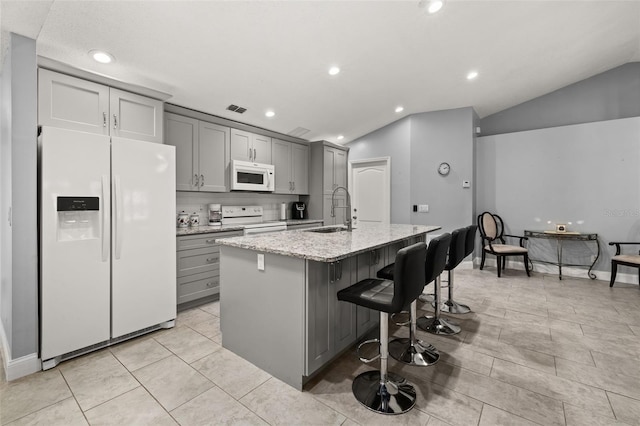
320	344
261	149
344	327
281	156
328	167
300	168
182	132
241	145
213	160
72	103
135	117
340	169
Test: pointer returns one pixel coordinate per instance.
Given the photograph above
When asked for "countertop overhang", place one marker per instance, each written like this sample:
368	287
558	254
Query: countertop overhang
328	247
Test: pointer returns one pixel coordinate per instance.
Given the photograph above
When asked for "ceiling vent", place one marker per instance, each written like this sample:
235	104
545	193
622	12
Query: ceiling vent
298	132
236	108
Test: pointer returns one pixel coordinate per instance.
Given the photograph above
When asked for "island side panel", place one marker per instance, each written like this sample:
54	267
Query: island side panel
262	312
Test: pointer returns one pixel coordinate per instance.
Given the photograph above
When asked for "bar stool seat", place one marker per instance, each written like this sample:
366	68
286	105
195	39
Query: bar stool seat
412	351
378	390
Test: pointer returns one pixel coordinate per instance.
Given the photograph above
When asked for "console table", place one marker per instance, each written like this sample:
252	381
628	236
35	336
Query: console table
560	237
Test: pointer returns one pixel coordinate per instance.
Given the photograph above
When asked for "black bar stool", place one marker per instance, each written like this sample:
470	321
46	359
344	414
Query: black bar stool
413	351
437	324
465	238
379	390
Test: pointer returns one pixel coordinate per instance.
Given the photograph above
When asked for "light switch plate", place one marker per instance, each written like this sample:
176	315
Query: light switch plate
260	262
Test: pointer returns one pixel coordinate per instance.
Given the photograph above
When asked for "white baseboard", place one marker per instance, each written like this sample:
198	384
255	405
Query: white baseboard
19	367
567	271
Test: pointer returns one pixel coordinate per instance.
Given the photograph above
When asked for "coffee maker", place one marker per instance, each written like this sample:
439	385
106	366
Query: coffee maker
215	214
298	210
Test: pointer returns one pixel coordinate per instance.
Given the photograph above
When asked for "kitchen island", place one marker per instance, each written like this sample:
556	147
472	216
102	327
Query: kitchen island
278	304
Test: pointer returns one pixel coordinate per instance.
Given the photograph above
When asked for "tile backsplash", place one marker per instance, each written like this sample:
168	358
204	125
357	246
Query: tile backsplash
197	202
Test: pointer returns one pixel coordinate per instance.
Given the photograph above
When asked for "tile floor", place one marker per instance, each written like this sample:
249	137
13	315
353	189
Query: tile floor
534	351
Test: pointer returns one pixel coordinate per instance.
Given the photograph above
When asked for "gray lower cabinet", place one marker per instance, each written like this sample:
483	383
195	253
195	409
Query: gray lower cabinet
198	265
331	324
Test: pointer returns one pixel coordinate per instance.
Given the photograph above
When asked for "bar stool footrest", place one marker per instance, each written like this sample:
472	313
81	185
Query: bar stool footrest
368	342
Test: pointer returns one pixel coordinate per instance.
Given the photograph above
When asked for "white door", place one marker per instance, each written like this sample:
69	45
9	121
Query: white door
143	283
371	190
74	241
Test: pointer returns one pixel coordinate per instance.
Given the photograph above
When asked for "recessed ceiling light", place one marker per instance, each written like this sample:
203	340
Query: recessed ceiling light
101	56
269	114
340	137
472	75
399	108
431	6
334	70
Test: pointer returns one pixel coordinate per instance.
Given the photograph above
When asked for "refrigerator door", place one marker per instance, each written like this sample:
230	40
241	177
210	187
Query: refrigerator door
74	240
143	287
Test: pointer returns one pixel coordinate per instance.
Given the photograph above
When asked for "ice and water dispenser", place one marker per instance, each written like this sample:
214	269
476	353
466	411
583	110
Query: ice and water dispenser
78	218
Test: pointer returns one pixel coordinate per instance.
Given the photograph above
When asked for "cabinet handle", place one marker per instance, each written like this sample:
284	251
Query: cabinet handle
104	119
339	270
250	154
332	272
294	186
201	180
210	259
254	154
197	179
115	121
211	241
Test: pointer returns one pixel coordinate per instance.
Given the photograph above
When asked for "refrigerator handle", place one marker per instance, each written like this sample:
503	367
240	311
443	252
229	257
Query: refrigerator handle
117	207
105	218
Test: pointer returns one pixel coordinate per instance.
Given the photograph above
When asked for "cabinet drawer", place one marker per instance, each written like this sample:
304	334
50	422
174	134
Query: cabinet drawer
198	260
204	240
197	286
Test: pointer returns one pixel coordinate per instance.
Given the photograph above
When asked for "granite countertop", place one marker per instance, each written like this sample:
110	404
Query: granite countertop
327	247
206	229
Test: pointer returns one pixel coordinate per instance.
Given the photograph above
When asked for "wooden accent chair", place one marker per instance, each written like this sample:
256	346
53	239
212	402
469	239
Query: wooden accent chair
632	260
492	234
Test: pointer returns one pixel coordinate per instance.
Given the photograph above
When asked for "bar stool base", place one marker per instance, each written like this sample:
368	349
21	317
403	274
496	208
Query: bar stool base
420	353
438	326
453	307
396	396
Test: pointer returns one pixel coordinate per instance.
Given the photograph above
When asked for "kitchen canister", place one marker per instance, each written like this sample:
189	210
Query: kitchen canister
183	219
283	211
194	220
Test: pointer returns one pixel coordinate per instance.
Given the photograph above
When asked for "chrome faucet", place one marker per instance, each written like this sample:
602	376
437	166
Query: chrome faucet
348	222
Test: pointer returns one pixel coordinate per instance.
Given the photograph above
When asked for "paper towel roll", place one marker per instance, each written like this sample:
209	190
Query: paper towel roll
283	211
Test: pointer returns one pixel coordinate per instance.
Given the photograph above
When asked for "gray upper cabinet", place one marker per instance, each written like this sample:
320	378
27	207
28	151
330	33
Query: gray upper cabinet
135	117
202	153
291	161
335	169
213	158
327	171
77	104
247	146
72	103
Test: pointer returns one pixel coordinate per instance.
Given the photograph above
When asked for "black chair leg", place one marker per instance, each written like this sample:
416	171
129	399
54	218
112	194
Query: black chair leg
482	261
499	265
526	264
614	271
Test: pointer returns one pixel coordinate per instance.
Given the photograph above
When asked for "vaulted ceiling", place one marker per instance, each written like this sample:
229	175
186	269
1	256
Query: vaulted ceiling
275	55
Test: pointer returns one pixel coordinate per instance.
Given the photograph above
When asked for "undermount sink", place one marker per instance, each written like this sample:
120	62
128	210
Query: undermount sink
328	230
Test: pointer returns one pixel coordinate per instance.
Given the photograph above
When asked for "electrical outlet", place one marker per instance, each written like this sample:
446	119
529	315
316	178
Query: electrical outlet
423	208
260	262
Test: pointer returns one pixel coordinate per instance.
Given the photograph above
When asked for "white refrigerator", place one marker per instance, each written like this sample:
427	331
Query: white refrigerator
107	240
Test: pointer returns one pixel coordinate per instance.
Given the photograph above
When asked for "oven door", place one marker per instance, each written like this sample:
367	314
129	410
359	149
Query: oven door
251	177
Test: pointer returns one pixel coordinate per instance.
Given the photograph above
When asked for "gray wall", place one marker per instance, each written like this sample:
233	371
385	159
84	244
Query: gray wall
611	95
417	145
392	141
585	174
442	136
19	285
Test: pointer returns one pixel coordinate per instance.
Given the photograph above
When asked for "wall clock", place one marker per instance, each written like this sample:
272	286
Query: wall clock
444	169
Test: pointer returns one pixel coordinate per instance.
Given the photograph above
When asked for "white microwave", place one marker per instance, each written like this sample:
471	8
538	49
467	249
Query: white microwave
248	176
